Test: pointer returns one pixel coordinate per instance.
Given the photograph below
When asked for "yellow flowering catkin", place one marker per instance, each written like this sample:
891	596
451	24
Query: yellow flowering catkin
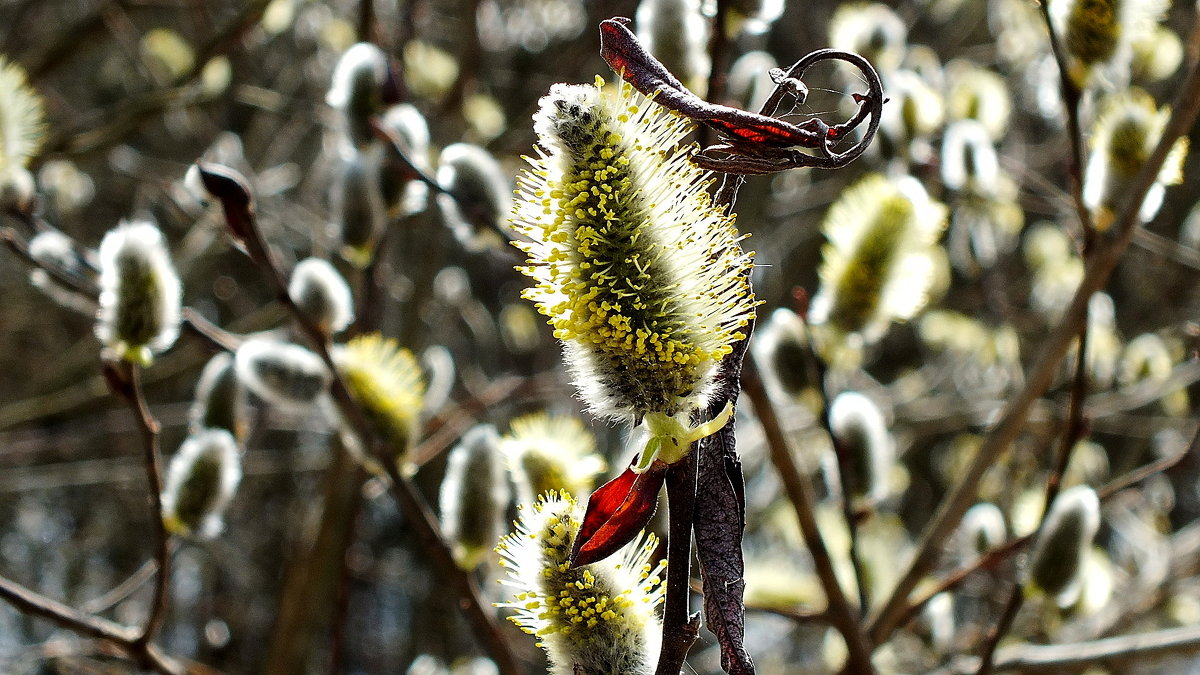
597	619
640	274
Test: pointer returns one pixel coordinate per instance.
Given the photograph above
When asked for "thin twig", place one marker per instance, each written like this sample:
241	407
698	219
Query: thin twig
1098	269
1029	658
126	588
142	106
148	428
236	199
803	501
680	628
474	209
995	556
847	477
124	638
1071	95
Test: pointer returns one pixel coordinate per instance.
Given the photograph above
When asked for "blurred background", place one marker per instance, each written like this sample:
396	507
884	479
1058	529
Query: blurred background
135	91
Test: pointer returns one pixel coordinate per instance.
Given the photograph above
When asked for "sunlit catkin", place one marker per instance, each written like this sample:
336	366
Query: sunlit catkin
322	295
387	383
1063	542
640	274
861	432
282	374
549	453
477	197
200	483
597	619
474	495
1128	128
220	399
878	264
140	293
1098	35
22	132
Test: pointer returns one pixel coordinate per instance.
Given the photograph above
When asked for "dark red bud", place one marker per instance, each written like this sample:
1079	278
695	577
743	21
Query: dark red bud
617	511
233	191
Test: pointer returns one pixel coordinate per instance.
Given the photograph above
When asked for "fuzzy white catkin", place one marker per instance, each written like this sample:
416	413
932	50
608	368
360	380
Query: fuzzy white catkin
322	294
1063	542
859	426
404	195
358	211
200	482
982	529
357	89
220	400
780	345
51	247
284	375
479	193
969	159
474	495
140	293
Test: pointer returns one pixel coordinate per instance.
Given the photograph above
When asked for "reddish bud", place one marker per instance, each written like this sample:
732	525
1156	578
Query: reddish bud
617	511
233	191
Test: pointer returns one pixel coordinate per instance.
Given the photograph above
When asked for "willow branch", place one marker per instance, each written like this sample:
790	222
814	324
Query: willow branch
125	379
124	638
237	201
803	502
1029	658
680	628
1098	269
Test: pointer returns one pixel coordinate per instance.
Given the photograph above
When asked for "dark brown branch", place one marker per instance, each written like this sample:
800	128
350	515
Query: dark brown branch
124	638
680	626
129	387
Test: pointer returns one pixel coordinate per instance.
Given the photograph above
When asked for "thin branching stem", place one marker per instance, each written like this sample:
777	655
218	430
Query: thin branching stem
148	428
803	501
124	638
1097	270
240	214
846	474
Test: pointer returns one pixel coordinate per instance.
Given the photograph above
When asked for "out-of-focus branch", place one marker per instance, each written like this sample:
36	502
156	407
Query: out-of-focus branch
1098	269
1028	658
803	501
237	201
125	380
124	638
1002	552
140	107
